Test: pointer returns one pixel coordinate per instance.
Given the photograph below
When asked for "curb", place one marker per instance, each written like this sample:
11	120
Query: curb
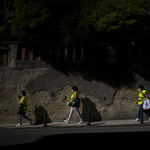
56	126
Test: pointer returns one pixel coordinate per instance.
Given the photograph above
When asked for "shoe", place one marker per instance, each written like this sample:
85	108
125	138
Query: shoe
80	122
137	119
66	121
30	121
18	125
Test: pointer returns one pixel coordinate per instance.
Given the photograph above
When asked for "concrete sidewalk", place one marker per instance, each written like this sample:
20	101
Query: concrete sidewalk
75	125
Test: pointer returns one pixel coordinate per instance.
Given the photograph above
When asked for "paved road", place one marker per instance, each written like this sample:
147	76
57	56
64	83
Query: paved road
124	136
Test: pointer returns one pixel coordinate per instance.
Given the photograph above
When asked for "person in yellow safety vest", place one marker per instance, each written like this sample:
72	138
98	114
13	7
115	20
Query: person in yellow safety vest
75	97
23	108
142	96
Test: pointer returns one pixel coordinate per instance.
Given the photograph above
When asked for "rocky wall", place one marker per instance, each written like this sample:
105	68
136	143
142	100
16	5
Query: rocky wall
50	89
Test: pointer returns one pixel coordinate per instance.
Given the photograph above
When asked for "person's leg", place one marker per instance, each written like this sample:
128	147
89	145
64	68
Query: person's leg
70	114
20	123
147	113
78	113
24	116
138	115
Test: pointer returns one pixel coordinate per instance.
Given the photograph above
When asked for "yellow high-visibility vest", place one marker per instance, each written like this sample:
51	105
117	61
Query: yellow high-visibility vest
77	95
141	97
25	103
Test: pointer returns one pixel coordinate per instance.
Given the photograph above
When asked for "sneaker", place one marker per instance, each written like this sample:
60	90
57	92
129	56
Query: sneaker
80	122
66	121
18	125
137	119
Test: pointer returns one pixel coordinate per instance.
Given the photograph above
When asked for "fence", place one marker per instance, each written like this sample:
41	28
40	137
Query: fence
51	52
3	56
70	53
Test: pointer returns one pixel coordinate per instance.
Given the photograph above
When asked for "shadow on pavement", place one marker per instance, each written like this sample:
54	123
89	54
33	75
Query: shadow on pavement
108	140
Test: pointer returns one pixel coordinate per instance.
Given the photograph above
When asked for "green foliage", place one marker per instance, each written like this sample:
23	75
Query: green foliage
112	15
6	15
105	17
68	21
29	17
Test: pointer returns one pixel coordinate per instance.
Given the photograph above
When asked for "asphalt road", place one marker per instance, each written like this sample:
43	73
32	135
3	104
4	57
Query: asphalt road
117	137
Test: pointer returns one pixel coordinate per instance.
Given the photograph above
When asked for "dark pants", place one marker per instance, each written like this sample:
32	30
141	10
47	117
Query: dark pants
24	116
145	111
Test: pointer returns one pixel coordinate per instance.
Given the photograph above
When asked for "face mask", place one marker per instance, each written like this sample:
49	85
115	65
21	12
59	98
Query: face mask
21	94
139	89
72	90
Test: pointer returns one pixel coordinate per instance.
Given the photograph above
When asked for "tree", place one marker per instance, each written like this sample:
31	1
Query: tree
98	19
77	24
30	19
6	16
119	15
66	21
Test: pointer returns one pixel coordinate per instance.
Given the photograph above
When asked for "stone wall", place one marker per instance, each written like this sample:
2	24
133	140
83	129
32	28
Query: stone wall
50	89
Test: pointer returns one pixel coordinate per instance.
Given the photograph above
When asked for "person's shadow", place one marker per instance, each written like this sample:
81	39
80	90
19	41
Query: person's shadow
39	114
94	114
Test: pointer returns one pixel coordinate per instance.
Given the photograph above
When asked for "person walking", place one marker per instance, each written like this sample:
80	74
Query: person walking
142	96
75	103
23	108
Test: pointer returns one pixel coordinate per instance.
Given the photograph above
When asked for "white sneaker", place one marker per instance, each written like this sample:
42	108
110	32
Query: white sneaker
18	125
66	121
80	122
137	119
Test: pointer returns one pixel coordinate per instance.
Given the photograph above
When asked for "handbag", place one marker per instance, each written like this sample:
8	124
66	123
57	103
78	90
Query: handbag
69	104
146	104
76	102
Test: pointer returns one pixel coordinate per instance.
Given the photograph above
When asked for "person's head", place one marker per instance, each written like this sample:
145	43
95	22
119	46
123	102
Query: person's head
140	87
22	93
74	88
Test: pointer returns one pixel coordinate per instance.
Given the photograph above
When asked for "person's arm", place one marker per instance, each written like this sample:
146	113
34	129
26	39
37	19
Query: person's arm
22	102
75	95
145	95
137	101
